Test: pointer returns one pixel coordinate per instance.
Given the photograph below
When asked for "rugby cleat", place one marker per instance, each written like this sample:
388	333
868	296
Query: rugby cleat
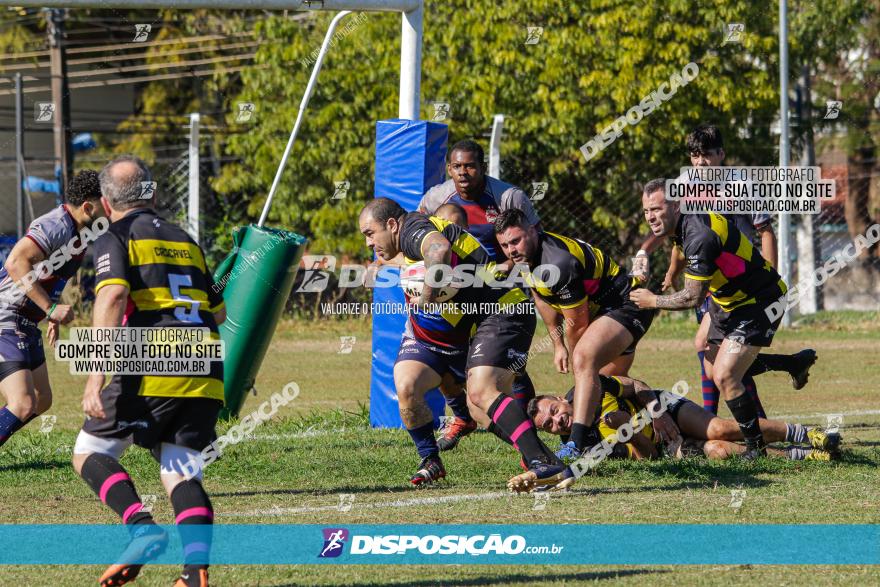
827	441
148	542
430	470
454	432
542	476
806	359
194	578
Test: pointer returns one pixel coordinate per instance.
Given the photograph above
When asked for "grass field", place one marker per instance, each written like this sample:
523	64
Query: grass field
321	446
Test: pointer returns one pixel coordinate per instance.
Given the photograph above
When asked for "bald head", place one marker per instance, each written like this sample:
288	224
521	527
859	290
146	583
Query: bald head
126	183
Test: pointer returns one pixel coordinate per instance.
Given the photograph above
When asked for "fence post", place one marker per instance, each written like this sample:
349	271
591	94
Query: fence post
192	215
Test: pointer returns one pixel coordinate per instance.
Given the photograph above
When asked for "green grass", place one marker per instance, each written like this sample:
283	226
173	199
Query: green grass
322	446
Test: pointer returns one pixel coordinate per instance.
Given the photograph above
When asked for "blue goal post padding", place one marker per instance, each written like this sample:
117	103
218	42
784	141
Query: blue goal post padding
410	158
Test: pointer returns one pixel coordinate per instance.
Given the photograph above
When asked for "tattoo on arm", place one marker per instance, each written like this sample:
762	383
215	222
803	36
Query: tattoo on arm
694	291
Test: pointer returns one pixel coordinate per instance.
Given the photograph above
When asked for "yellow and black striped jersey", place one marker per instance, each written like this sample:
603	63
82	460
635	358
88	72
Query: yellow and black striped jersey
454	326
168	286
612	401
586	275
717	251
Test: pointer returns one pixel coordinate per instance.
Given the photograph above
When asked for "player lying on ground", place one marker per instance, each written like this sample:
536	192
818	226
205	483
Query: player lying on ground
466	416
591	293
150	273
706	148
623	397
499	345
24	380
722	261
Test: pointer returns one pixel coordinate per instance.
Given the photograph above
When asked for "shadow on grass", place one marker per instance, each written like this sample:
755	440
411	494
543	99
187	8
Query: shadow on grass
509	579
35	465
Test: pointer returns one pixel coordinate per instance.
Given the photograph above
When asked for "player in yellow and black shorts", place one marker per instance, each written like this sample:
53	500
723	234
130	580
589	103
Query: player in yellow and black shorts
150	273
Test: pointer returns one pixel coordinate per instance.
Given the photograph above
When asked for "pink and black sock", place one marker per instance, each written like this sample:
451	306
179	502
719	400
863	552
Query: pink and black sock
512	421
9	424
710	392
459	407
110	481
194	517
423	437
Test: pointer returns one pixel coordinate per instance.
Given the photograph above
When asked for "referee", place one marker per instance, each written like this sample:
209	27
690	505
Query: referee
150	273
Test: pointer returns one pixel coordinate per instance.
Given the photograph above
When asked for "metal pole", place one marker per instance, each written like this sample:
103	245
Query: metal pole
60	97
495	146
192	217
784	219
302	108
411	63
19	155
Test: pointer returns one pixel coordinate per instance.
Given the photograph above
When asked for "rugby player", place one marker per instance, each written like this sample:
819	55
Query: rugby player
463	421
715	437
705	147
481	198
500	341
602	325
24	380
150	273
722	261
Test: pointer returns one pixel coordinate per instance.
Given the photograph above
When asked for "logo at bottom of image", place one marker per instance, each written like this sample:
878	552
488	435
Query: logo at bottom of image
335	539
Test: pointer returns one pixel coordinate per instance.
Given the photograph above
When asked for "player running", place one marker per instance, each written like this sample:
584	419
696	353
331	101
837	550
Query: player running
500	341
722	261
706	149
715	437
24	301
473	200
150	273
590	293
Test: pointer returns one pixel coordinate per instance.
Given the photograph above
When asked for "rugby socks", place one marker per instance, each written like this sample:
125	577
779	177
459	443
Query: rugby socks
194	516
110	481
745	413
423	437
458	405
797	453
767	362
513	423
9	425
497	432
752	390
796	433
710	392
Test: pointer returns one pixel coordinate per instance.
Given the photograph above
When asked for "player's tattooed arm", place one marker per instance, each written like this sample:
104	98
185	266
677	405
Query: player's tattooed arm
437	253
693	293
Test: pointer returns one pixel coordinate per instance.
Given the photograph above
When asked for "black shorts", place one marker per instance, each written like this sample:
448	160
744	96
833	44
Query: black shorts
636	320
746	325
674	403
503	340
151	421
